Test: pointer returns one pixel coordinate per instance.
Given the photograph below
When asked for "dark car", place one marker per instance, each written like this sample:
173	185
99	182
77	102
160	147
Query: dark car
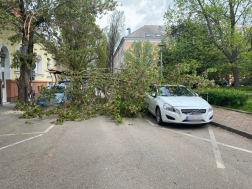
221	82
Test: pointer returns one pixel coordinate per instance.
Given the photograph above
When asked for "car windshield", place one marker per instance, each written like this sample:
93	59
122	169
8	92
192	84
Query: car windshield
175	91
58	89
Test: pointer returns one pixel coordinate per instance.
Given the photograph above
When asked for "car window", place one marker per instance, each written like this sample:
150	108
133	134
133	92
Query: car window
175	91
57	89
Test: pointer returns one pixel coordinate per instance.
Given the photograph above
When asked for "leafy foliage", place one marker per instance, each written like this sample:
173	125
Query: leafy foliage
187	42
117	93
228	28
64	28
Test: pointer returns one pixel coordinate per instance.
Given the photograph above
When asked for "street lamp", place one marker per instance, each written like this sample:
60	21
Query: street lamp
161	50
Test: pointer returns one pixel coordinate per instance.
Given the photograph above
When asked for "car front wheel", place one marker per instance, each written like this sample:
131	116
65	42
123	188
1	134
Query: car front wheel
158	116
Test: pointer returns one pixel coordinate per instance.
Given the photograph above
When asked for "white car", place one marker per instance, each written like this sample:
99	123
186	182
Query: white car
178	104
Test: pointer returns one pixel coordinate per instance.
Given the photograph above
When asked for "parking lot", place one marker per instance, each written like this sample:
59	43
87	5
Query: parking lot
137	154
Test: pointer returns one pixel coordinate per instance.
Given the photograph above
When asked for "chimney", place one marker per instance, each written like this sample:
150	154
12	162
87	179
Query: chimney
129	32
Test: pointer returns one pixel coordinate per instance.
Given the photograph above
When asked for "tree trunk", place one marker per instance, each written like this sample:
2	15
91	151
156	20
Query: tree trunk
23	84
23	81
236	77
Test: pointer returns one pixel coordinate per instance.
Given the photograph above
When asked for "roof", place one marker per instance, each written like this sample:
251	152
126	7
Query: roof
152	30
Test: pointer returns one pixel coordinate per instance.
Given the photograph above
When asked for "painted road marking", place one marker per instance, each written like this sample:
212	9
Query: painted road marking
216	150
46	131
34	133
149	122
20	142
226	145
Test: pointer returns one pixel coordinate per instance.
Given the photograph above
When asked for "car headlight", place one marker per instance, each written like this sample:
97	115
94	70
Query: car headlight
169	107
210	109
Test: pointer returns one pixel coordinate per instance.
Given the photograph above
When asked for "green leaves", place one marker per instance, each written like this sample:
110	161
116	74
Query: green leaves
215	32
225	97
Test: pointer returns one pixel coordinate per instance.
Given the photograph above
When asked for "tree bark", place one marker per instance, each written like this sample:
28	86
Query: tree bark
236	77
23	82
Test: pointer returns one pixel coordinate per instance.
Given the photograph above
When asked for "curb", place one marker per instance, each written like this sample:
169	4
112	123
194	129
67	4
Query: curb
239	132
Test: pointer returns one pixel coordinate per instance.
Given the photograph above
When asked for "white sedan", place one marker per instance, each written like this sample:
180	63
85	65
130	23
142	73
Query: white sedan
178	104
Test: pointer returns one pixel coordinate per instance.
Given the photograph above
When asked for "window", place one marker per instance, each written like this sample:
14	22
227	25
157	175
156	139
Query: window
48	67
18	68
158	35
148	35
17	50
2	79
39	65
175	91
2	60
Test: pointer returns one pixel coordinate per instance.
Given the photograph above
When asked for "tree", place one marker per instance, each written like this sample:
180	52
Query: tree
80	38
228	25
101	59
116	26
140	53
188	41
38	22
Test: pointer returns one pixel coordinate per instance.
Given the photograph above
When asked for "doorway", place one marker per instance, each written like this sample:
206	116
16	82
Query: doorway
5	69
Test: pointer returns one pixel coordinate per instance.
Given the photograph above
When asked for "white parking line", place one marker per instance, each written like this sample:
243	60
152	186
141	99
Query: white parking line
241	149
226	145
33	133
149	122
46	131
20	142
9	134
216	150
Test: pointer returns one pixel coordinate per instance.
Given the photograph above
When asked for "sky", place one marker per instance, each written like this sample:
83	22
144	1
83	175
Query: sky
139	13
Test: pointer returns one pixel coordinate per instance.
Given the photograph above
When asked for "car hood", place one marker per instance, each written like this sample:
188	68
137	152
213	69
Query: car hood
184	101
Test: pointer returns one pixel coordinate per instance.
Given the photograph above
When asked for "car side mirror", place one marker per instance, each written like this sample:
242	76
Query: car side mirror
196	94
154	95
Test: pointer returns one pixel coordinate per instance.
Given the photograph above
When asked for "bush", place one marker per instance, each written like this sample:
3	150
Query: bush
221	97
246	81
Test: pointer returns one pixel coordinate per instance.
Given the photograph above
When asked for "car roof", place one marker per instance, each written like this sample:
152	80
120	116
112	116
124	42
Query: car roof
60	85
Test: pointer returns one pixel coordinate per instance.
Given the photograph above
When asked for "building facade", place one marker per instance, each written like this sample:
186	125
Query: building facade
153	33
9	75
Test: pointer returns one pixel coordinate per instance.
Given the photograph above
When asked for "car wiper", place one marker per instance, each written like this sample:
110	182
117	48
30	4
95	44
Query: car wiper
164	95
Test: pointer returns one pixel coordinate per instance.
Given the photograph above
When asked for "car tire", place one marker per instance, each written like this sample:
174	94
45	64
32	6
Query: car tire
158	116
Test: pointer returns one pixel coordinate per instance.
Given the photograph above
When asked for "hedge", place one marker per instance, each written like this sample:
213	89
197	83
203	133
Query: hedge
221	97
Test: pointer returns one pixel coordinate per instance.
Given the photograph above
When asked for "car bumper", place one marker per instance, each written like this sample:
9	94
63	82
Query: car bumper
181	118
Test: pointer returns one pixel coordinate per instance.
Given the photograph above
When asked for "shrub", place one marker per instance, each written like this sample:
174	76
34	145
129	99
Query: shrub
246	81
221	97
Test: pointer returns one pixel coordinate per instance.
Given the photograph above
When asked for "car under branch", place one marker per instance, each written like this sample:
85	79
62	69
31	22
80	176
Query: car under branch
178	104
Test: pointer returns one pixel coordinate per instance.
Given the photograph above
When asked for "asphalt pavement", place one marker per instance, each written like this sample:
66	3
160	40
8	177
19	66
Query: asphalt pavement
97	153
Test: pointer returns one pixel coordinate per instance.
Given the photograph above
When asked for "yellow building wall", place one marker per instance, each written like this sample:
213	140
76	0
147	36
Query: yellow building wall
37	49
45	56
42	78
